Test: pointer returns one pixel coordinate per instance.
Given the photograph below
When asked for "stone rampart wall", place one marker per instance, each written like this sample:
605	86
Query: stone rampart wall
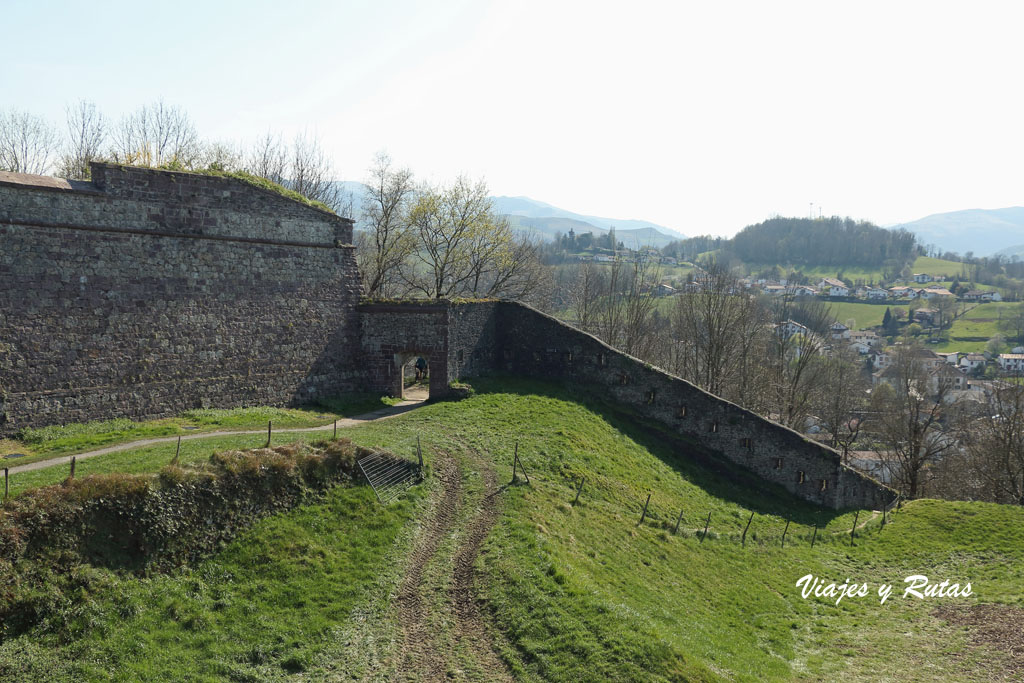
536	345
145	293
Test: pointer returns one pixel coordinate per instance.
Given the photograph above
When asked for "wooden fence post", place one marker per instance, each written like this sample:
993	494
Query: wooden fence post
706	525
517	461
855	518
419	450
270	424
744	541
578	490
678	520
73	458
335	429
7	486
784	532
644	514
815	536
177	452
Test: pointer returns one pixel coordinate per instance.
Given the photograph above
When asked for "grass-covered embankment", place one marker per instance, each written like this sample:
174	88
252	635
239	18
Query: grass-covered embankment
576	593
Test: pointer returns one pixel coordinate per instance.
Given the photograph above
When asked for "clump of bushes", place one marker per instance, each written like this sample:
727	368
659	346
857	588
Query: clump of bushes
53	538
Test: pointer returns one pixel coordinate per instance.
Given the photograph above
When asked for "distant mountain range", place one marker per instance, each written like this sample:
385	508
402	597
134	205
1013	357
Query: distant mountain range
547	221
983	231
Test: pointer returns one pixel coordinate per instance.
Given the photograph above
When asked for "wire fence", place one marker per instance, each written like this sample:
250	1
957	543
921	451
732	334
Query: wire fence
812	534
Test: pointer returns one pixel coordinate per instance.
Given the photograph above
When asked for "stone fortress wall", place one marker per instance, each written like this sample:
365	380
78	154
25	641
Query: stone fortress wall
145	293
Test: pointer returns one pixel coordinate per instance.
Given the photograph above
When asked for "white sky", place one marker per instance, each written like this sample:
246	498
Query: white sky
701	116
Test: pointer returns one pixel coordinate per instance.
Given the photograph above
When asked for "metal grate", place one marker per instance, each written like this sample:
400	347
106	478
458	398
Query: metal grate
389	475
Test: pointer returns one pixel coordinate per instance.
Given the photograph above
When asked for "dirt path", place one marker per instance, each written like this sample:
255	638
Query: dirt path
381	414
423	659
469	623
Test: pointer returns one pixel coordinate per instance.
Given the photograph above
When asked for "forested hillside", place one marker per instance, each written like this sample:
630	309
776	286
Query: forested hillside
822	242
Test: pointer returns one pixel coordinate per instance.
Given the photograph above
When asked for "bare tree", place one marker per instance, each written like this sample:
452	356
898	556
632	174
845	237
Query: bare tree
795	361
157	135
995	444
312	175
910	410
27	142
583	294
223	156
842	399
386	241
716	326
268	158
87	134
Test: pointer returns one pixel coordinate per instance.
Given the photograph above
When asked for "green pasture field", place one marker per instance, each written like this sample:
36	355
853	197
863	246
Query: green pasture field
571	592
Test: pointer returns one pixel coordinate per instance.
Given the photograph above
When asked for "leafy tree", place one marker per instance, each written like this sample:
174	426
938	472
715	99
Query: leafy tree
464	249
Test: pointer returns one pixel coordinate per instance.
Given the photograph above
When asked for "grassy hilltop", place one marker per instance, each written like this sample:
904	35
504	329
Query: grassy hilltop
555	591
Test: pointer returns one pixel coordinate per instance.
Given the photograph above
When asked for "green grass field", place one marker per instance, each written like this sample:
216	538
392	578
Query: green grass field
863	315
572	593
936	266
852	273
54	441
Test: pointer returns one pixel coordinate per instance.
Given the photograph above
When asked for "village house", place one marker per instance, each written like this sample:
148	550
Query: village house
864	341
951	357
880	358
839	331
876	294
789	328
902	292
830	286
982	295
664	290
948	376
1011	363
932	292
972	361
804	291
925	315
921	278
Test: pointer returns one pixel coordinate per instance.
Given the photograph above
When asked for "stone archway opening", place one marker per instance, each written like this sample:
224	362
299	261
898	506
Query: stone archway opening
413	381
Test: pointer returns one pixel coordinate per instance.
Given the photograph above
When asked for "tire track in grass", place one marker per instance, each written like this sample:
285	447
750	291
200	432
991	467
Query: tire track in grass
421	658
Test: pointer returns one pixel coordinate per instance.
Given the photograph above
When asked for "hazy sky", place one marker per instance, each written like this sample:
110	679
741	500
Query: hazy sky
702	116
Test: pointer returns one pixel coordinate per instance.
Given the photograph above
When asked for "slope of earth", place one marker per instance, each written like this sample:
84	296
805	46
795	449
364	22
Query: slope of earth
473	577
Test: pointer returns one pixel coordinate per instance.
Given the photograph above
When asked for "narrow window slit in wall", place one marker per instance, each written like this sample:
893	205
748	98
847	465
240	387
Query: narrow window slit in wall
602	360
714	427
623	379
682	411
800	477
536	355
778	463
824	484
567	356
460	355
747	442
650	396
